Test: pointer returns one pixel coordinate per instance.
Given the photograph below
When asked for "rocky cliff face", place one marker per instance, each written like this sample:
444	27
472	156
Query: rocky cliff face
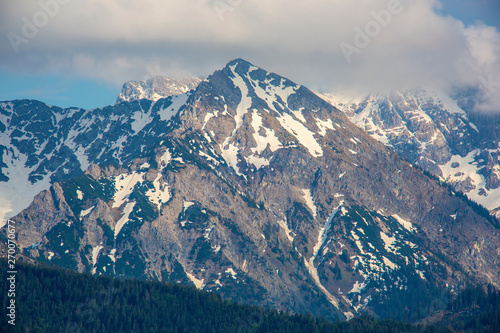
262	191
441	134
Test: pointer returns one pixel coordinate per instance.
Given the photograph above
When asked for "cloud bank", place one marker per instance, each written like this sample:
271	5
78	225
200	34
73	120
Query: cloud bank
357	45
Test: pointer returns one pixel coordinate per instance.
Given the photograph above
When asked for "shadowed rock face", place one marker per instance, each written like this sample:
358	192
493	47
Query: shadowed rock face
262	191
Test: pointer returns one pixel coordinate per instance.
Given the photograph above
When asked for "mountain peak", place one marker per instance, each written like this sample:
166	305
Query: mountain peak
253	113
244	68
238	61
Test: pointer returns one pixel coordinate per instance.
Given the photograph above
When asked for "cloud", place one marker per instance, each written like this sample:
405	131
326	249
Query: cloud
484	46
119	40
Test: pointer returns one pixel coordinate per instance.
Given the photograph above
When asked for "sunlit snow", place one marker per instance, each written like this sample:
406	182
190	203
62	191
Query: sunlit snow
124	184
125	217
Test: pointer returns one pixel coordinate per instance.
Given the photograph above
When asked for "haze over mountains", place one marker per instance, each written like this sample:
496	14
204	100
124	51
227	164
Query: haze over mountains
255	187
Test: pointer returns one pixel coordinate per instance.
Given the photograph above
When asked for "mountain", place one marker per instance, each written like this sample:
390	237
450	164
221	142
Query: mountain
258	189
156	88
438	132
41	144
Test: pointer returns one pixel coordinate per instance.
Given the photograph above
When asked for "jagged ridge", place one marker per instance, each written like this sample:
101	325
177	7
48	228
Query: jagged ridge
266	193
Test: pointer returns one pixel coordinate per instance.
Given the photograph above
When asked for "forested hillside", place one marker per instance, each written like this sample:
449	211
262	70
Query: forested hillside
52	299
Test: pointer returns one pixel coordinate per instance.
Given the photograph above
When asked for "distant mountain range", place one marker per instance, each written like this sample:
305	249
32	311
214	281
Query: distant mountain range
441	134
156	88
255	187
41	144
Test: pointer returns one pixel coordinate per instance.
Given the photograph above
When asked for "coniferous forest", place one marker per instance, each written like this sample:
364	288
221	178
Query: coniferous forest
50	299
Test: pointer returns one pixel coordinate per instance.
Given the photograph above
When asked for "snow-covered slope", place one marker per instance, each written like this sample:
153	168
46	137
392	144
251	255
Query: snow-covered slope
429	128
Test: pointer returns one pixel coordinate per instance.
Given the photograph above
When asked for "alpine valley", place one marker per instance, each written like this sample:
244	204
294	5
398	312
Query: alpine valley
257	188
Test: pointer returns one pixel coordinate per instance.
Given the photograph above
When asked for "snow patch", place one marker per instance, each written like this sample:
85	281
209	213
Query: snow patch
111	255
324	125
125	217
177	102
209	158
139	120
298	113
229	150
357	288
309	201
301	133
209	116
469	171
288	232
389	263
198	283
310	264
231	271
186	205
95	254
86	211
230	155
388	242
160	194
166	158
124	184
263	141
348	315
406	224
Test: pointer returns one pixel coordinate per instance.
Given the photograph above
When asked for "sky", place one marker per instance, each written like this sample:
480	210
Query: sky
79	53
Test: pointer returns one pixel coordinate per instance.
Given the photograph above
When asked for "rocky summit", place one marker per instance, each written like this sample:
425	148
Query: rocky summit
254	187
156	88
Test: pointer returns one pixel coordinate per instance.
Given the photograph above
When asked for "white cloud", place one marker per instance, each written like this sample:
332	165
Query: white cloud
484	44
118	40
